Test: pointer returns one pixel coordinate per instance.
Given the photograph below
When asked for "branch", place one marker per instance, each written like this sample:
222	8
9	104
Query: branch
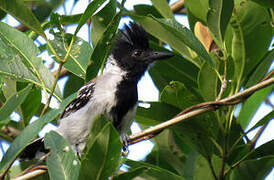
36	171
148	133
202	108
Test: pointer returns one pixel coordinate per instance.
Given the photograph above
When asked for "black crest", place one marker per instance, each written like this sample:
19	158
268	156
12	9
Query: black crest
133	36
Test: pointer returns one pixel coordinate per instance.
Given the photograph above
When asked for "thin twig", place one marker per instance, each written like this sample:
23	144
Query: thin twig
223	88
211	168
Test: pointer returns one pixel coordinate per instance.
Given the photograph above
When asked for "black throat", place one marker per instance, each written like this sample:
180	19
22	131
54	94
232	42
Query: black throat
127	97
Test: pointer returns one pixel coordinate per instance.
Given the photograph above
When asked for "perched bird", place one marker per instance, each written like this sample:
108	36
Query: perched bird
114	93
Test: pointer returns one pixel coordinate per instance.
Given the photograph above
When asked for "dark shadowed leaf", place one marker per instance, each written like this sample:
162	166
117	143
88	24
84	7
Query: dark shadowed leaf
13	102
29	133
62	162
263	150
266	3
218	17
253	169
42	9
21	12
103	154
73	84
152	171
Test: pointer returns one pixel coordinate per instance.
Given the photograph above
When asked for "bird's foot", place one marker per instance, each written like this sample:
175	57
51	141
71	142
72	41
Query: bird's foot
124	140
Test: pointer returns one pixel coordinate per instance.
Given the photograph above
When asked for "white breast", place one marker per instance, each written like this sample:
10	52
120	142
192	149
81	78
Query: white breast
76	127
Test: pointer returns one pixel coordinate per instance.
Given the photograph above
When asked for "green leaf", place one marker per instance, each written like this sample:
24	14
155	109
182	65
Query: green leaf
250	106
42	9
157	112
218	17
19	59
202	170
163	8
175	35
102	48
92	7
102	157
62	162
197	131
29	133
70	19
253	169
238	52
263	150
18	10
208	82
79	56
145	10
261	69
179	69
178	95
153	172
263	121
13	102
198	9
73	84
31	104
101	20
130	174
165	156
250	23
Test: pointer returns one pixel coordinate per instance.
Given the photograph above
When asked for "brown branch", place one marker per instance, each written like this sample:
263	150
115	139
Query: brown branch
148	133
205	107
64	72
36	171
10	131
223	88
177	6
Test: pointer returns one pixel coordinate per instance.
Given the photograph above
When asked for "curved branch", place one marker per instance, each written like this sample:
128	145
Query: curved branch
202	108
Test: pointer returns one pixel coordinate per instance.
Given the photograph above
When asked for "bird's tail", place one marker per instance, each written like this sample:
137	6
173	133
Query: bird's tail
34	149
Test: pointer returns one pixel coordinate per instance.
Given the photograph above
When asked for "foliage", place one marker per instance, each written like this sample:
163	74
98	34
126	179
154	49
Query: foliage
227	41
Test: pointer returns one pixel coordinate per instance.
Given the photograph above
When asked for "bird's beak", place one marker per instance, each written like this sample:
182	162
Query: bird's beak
156	55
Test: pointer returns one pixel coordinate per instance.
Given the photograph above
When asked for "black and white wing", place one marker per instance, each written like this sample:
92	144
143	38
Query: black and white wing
85	94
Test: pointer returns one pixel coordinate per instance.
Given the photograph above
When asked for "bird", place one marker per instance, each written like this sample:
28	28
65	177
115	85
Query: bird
114	93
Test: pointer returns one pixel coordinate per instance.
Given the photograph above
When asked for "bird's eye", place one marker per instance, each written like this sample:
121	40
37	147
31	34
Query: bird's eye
137	53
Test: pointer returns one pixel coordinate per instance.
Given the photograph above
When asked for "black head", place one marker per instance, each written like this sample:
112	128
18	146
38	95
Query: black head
131	50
